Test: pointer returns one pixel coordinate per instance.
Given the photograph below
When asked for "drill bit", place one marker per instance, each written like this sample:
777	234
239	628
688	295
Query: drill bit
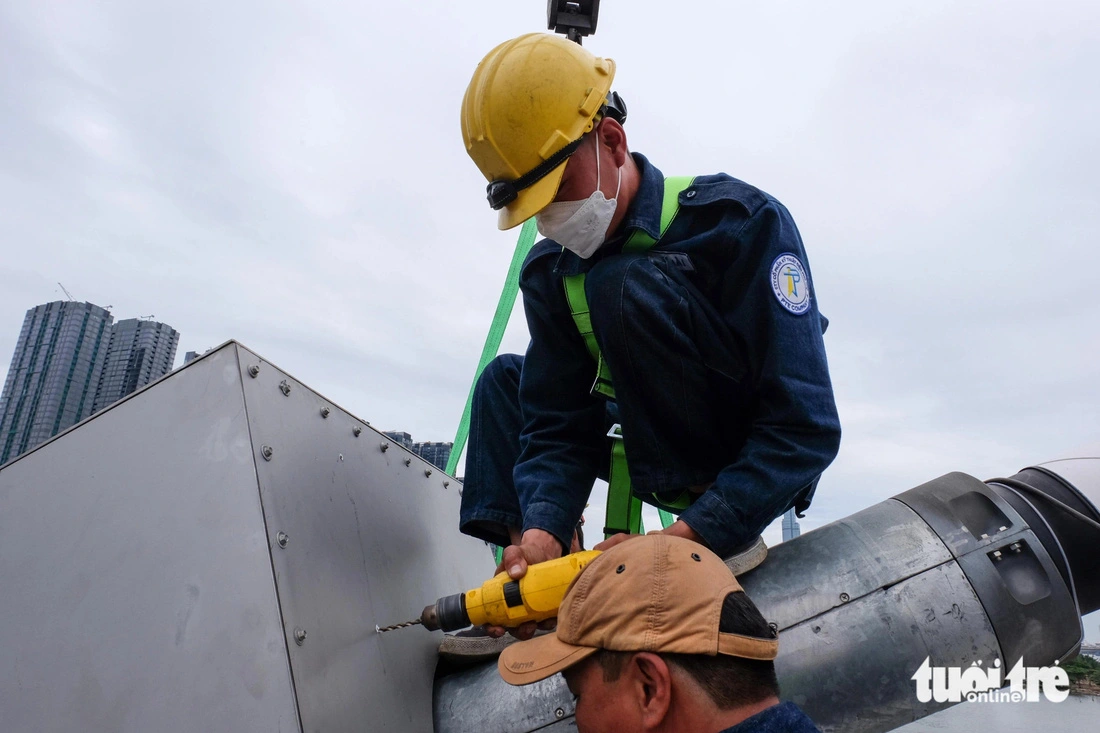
404	625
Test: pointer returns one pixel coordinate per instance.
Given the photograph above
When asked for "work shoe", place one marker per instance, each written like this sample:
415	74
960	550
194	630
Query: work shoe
747	557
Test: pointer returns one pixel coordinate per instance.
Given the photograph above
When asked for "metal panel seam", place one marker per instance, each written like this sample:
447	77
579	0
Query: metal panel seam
955	559
267	534
895	582
875	591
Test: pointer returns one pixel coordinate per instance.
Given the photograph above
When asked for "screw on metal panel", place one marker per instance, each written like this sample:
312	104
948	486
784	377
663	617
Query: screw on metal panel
284	387
253	371
300	636
559	713
844	598
428	472
324	411
357	431
339	456
408	462
266	452
385	447
282	539
446	484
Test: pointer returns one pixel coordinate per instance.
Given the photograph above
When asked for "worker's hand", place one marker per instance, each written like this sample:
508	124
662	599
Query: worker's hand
535	546
679	528
615	539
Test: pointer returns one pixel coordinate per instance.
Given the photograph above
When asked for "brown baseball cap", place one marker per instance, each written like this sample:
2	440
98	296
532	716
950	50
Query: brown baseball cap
655	593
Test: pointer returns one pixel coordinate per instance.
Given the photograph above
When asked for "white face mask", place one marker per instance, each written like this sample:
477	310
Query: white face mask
581	226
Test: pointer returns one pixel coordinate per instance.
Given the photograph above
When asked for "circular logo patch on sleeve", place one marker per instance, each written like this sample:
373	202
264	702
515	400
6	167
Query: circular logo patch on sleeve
790	284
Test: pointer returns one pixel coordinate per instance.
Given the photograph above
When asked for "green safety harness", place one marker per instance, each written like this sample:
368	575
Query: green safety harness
624	509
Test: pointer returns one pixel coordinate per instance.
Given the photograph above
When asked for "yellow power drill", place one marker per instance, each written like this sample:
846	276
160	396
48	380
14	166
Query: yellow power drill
503	601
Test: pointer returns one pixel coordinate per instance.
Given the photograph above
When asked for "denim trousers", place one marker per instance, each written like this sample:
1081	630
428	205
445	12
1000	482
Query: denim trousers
681	393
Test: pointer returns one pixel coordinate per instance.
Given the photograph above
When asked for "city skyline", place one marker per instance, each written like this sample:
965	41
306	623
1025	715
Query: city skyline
72	359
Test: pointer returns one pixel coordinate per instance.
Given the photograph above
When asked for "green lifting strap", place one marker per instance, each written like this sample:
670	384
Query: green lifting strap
624	510
639	241
496	333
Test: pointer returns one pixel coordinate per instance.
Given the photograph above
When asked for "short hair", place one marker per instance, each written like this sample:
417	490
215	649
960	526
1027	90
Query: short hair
729	681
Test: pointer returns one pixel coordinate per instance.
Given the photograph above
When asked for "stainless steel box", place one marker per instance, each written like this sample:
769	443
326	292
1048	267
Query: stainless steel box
213	553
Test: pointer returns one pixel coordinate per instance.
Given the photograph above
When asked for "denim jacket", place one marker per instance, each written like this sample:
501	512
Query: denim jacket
731	240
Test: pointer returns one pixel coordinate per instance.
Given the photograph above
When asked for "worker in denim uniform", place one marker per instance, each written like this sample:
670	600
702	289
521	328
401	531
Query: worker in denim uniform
712	335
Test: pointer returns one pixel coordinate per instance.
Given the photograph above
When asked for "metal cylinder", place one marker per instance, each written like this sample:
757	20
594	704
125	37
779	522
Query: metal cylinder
956	571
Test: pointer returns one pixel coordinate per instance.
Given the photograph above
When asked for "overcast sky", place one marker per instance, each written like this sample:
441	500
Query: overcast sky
292	175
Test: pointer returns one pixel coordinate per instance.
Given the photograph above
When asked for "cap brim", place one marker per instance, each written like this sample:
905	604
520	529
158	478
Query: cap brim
536	659
532	199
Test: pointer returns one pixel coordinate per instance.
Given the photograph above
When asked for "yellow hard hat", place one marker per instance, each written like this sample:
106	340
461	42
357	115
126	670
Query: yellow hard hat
525	111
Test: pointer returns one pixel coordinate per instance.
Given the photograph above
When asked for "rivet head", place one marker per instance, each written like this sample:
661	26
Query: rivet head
282	539
689	194
357	431
324	411
428	472
408	462
844	598
446	484
299	636
385	447
253	371
267	451
284	387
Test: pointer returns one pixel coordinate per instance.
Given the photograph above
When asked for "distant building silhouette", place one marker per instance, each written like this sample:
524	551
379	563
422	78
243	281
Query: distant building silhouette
791	528
54	372
436	454
403	439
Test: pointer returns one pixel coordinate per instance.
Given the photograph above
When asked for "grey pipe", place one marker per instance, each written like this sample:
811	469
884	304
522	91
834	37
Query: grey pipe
956	570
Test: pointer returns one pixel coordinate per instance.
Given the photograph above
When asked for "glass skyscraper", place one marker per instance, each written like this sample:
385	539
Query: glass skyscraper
52	380
140	351
791	529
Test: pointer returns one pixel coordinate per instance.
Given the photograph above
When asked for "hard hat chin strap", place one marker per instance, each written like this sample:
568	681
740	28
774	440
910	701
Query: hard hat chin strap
502	193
